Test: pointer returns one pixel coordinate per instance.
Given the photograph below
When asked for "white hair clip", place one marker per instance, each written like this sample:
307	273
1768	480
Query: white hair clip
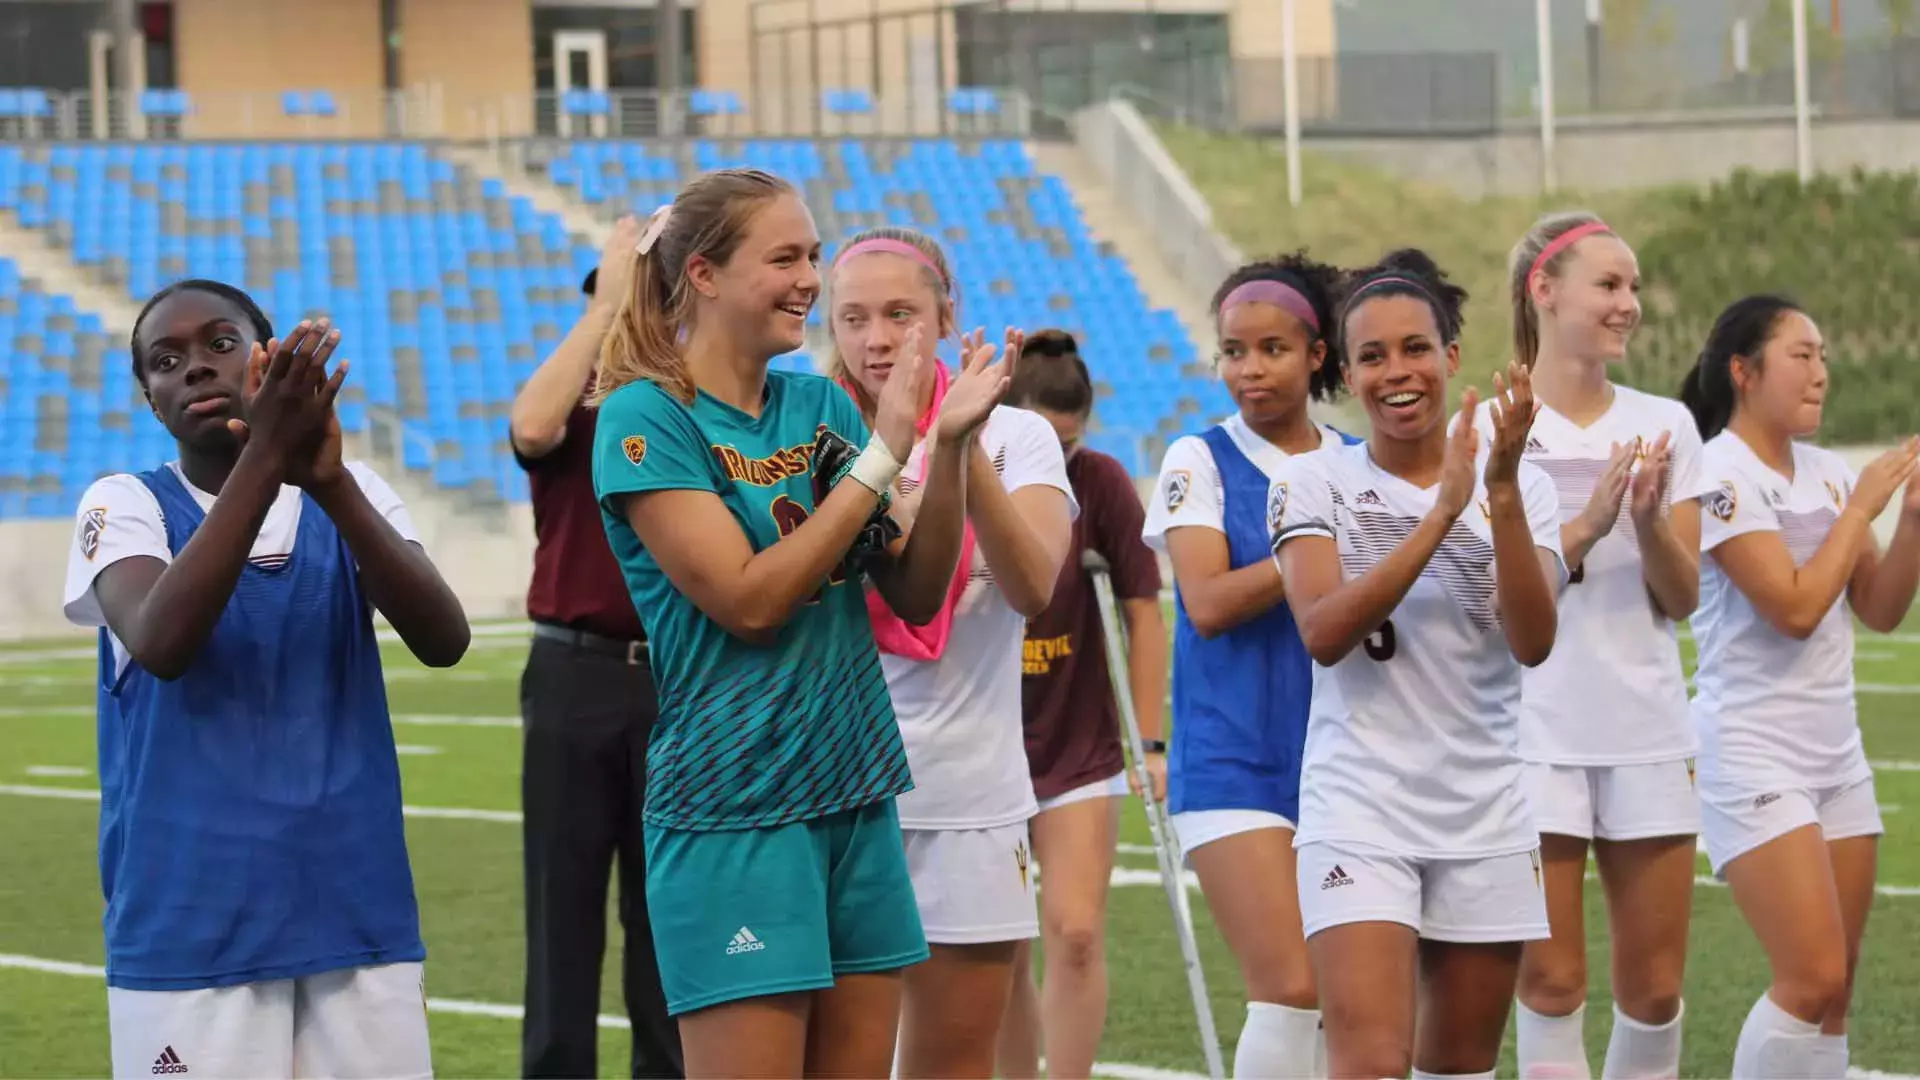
656	224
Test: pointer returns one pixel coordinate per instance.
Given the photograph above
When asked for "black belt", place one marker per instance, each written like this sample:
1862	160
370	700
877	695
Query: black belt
633	651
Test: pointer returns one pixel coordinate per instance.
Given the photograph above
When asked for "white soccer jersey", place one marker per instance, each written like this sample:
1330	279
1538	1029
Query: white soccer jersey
1613	692
1190	491
119	518
960	716
1411	740
1771	710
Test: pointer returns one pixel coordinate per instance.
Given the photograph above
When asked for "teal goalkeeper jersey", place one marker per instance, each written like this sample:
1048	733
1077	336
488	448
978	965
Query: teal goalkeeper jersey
749	736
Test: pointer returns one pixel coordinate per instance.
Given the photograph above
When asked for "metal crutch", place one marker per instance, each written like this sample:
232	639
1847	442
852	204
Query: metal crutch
1166	848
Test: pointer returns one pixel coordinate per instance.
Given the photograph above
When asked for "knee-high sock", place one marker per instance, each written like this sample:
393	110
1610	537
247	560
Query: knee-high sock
1775	1043
1277	1042
1551	1046
1643	1050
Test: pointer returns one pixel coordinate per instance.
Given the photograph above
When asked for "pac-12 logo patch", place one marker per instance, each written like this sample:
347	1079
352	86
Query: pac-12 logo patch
1276	507
1178	483
1722	503
92	524
635	447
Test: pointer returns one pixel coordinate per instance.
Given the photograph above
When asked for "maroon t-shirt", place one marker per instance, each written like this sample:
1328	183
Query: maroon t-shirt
576	581
1072	722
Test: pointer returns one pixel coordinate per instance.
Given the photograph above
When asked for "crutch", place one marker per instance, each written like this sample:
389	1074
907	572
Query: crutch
1166	848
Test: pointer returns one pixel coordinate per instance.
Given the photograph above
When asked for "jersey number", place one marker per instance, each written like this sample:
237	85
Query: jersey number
789	516
1381	644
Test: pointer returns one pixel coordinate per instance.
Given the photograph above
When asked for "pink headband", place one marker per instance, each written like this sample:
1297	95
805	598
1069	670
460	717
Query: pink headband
1279	294
890	247
1564	241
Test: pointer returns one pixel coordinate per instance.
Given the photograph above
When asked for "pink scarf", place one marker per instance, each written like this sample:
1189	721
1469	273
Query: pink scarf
890	632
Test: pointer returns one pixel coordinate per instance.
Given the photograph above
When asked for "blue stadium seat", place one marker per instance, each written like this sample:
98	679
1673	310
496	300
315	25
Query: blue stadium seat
450	290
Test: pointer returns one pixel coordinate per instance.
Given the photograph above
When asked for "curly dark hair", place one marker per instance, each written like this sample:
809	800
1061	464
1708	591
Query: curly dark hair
1317	281
1406	272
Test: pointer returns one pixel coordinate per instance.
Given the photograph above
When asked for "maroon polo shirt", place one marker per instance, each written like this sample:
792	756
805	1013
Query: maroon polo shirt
576	581
1072	722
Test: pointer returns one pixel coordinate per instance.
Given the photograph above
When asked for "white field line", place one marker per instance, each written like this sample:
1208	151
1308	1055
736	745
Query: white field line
493	1010
68	771
1118	1070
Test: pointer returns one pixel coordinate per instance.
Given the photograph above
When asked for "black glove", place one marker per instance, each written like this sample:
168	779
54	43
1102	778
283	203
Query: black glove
833	459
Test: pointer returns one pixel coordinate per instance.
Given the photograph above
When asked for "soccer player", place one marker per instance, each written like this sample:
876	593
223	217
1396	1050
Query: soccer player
588	705
745	519
1603	723
1421	567
1241	679
955	681
1786	793
260	912
1073	724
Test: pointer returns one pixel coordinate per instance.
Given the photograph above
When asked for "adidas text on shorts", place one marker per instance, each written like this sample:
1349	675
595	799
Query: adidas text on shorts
1499	898
744	913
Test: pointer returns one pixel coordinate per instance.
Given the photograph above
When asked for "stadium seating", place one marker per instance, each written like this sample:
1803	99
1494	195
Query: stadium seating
60	381
450	290
1018	245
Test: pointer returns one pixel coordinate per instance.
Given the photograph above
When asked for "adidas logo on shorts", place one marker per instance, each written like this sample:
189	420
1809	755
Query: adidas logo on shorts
1335	878
168	1062
744	942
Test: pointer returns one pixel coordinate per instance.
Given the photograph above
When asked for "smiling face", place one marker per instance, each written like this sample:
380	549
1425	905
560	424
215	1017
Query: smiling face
1787	390
1398	365
192	352
1595	300
877	297
1267	359
762	293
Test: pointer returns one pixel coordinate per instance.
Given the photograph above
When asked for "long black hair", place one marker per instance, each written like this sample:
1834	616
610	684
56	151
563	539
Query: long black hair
1318	282
262	327
1405	272
1741	331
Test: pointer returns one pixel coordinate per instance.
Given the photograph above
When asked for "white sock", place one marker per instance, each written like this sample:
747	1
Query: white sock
1418	1075
1552	1046
1643	1050
1831	1059
1775	1043
1277	1042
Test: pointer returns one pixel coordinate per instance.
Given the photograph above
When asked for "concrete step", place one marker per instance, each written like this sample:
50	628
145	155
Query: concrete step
53	267
1109	220
544	196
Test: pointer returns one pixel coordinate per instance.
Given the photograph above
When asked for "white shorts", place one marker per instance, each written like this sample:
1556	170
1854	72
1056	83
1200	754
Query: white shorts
1736	822
973	886
1197	828
1113	787
1613	802
1500	898
355	1022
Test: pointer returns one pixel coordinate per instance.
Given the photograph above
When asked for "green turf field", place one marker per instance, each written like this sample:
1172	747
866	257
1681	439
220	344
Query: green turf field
458	734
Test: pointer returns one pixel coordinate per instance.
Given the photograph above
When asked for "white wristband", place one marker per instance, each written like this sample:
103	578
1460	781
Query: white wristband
876	468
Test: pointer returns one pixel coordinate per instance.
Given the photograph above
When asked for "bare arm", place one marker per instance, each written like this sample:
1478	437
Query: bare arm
1522	576
1793	599
1022	534
1218	598
915	577
401	582
1882	588
1335	615
163	612
1670	560
538	421
1146	662
704	553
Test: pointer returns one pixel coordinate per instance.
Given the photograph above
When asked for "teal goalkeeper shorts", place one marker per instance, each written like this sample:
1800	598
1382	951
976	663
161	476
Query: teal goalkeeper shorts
751	912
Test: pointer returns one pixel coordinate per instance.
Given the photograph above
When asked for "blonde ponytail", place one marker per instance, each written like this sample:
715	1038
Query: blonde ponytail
707	219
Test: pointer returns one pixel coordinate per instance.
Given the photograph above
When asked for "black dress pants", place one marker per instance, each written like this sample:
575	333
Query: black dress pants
586	717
